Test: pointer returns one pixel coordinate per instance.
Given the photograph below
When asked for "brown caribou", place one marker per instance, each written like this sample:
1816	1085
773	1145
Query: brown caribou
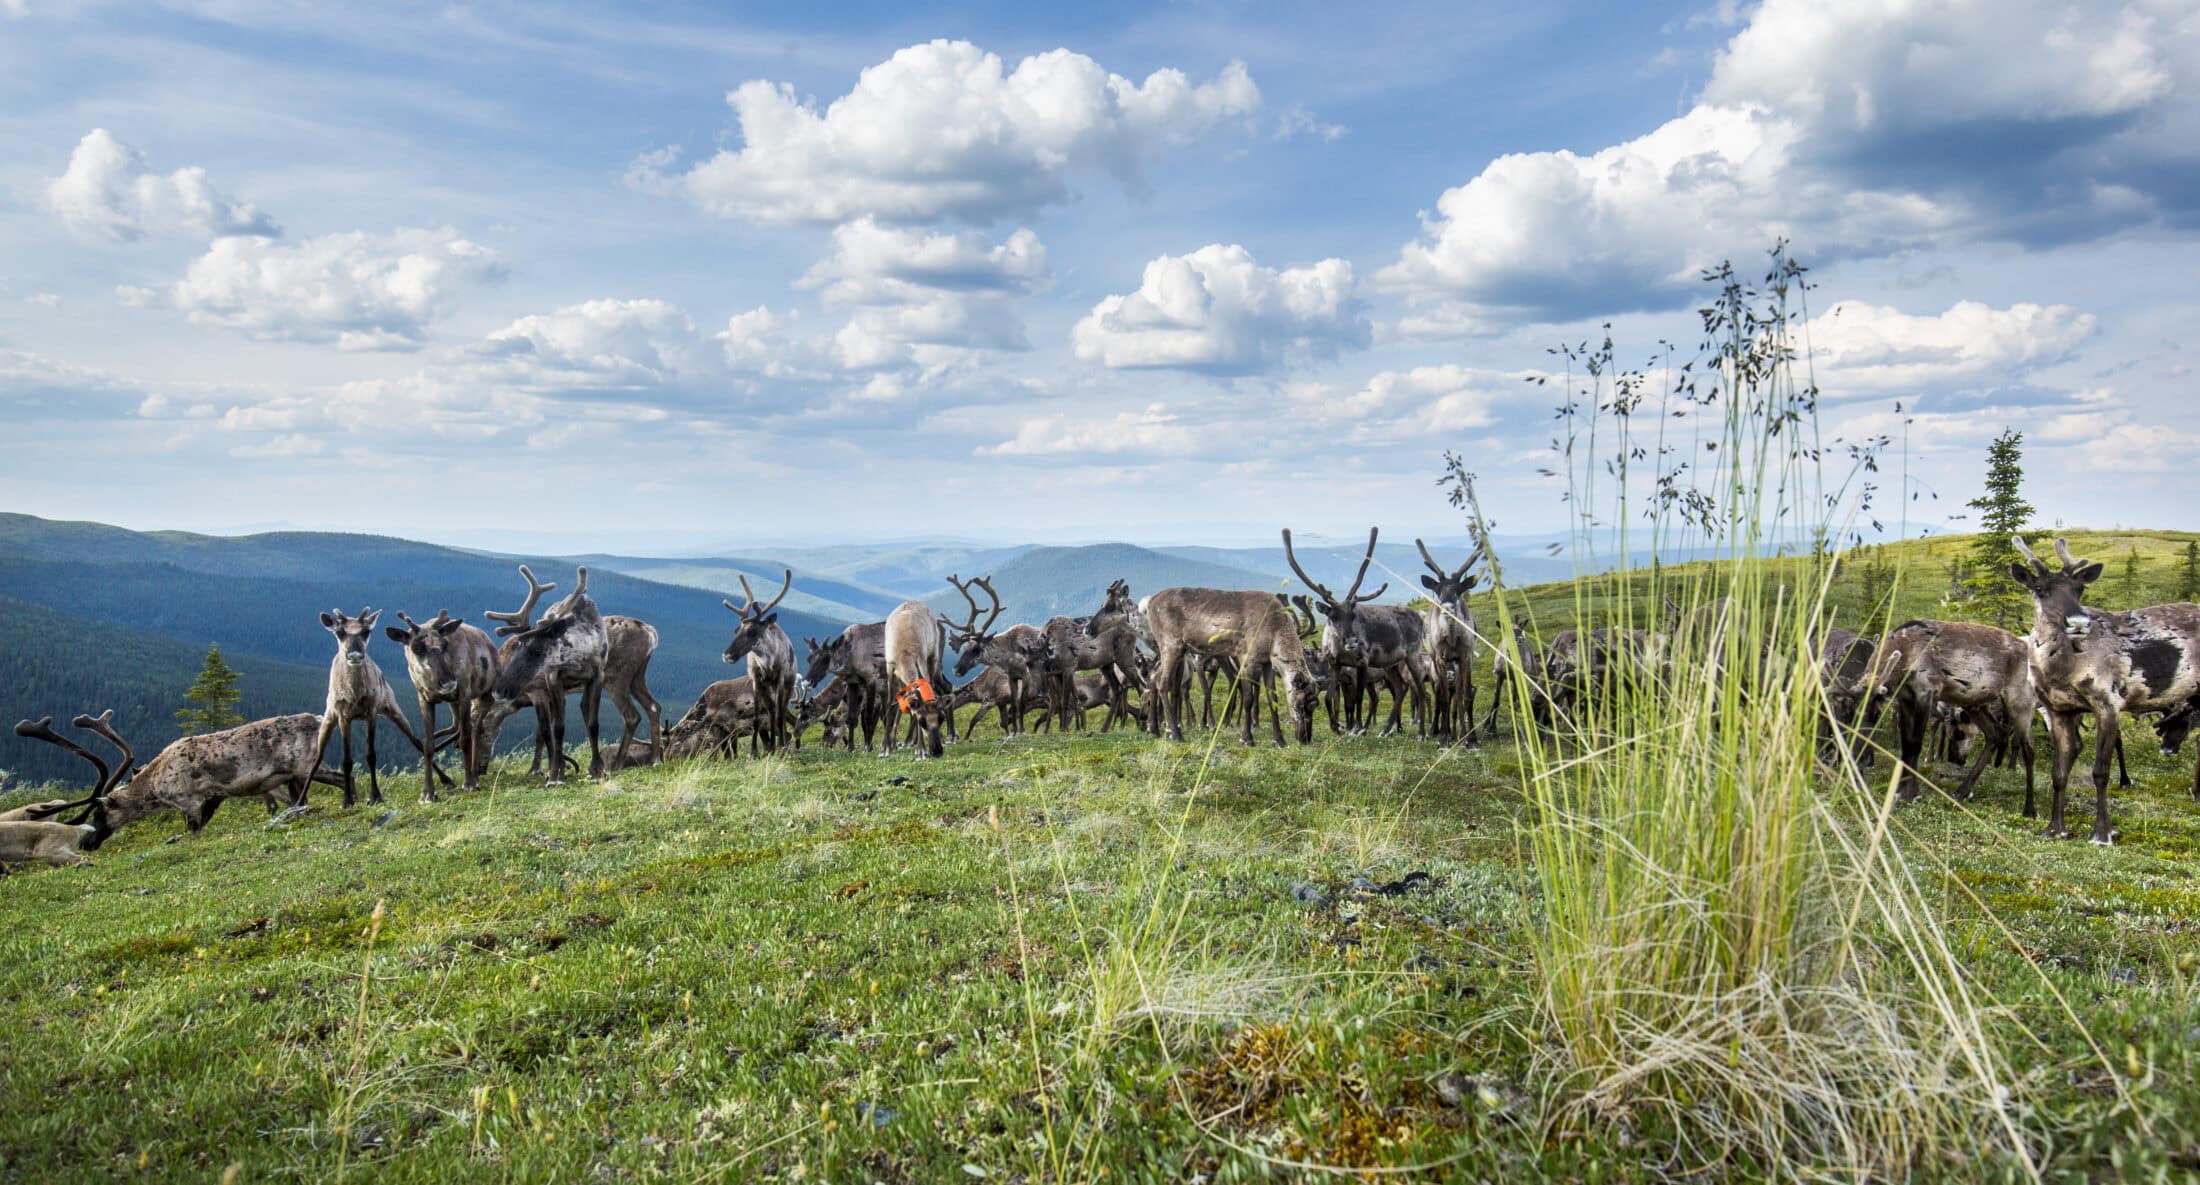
192	776
1252	628
1924	664
2087	661
566	652
1388	637
450	663
725	712
1020	652
1448	632
857	660
357	692
771	661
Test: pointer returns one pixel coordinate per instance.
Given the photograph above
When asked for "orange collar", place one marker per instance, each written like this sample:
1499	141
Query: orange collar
912	695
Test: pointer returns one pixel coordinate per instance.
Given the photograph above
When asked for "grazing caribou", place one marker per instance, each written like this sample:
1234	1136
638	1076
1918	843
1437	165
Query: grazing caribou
1923	664
1388	636
632	642
1448	632
1252	628
771	661
358	692
1020	652
2093	661
913	646
450	663
856	659
725	712
566	652
192	776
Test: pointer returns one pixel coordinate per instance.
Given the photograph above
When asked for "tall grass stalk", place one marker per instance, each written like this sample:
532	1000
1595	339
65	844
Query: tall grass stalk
1736	965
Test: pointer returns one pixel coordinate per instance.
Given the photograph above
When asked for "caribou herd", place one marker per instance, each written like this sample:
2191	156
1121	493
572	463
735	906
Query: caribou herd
1980	687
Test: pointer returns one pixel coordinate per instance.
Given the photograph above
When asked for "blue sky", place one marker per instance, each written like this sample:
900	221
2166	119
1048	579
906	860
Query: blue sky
683	274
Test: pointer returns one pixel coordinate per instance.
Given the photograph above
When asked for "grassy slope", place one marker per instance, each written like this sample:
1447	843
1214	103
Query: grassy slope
739	971
728	971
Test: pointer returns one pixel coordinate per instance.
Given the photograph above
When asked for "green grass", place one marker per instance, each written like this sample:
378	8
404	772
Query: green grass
797	969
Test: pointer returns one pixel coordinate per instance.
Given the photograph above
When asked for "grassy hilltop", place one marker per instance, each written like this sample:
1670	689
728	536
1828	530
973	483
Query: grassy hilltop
1081	958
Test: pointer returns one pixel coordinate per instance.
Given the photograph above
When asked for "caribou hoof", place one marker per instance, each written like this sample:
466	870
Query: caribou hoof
429	797
2103	839
2055	831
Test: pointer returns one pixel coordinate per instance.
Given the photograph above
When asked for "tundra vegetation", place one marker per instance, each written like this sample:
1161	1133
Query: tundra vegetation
1662	933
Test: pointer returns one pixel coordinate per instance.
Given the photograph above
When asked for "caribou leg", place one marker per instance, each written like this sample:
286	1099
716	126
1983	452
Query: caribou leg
2062	729
2111	723
351	786
374	776
592	717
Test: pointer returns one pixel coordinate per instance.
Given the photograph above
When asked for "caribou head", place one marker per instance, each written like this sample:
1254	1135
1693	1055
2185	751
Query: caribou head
92	808
2060	595
351	633
756	619
430	648
1449	586
972	639
1339	612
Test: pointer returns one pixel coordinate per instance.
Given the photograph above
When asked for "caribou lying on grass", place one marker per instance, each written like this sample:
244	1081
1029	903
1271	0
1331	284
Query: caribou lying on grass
192	776
358	692
2092	661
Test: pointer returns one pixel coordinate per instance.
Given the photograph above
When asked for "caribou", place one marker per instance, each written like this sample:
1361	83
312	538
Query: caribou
450	663
1448	632
565	652
857	660
1020	652
725	712
1388	637
2087	661
192	776
914	642
771	661
357	692
1923	664
1252	628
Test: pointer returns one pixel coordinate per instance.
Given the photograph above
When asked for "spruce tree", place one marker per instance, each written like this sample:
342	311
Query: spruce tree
211	704
2188	580
2130	580
2003	512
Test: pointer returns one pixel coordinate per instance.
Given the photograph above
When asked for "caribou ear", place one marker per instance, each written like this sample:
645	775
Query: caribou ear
1472	579
397	635
771	618
2021	573
327	622
2088	574
447	627
1429	583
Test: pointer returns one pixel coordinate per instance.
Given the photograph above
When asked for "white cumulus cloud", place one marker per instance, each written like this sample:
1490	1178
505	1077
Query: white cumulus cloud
1853	129
598	345
913	293
1217	310
945	130
1865	349
1154	430
359	290
108	189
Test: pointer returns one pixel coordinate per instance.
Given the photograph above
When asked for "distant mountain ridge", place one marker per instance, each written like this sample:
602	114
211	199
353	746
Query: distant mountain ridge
1044	582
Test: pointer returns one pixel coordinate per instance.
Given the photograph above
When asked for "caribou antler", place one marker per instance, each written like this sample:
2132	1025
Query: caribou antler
1328	598
970	627
2037	564
749	609
523	620
103	724
41	729
2062	552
